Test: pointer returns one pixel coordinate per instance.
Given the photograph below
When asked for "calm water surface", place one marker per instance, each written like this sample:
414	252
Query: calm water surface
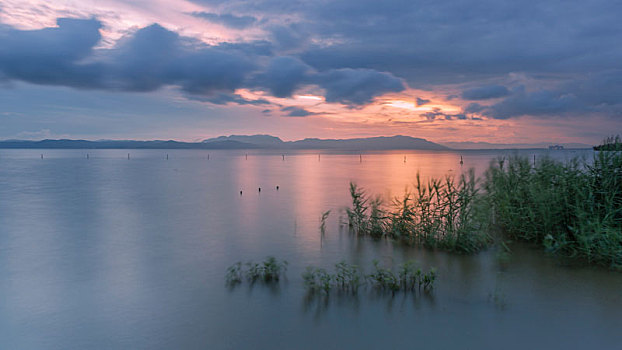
111	253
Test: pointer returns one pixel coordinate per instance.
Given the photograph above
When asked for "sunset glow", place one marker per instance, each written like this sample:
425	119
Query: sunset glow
276	71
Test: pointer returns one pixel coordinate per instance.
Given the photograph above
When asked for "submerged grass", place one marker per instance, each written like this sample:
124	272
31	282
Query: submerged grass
268	271
348	278
572	209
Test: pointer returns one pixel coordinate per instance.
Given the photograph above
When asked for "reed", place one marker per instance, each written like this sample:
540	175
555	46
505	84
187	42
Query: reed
268	271
572	209
323	222
439	213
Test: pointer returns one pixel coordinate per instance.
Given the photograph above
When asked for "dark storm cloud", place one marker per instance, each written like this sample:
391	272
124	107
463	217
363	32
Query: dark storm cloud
485	92
227	19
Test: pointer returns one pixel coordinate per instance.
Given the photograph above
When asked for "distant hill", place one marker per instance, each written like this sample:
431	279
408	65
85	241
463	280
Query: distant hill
259	140
238	142
272	142
369	143
113	144
487	145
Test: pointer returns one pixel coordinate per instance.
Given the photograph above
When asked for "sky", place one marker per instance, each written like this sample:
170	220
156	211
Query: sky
445	70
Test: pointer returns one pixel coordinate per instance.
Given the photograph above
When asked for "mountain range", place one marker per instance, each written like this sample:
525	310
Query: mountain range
272	142
368	143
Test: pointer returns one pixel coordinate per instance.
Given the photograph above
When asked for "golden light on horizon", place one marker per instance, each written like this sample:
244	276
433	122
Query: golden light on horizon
309	97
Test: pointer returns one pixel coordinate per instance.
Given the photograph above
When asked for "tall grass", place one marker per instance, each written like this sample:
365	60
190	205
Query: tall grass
440	213
573	209
611	143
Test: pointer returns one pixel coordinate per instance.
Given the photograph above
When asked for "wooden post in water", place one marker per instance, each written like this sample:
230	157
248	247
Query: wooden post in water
167	156
208	156
461	161
41	155
360	158
404	159
87	156
128	156
246	156
283	156
534	160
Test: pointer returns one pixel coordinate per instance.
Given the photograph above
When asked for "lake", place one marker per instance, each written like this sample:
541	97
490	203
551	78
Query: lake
117	253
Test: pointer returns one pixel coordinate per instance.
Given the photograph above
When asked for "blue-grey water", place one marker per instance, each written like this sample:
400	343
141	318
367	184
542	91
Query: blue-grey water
117	253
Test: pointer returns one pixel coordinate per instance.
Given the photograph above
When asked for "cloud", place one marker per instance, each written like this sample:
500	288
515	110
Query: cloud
485	92
289	37
357	86
225	98
436	114
147	60
536	103
227	19
296	111
474	108
283	75
421	101
51	55
153	57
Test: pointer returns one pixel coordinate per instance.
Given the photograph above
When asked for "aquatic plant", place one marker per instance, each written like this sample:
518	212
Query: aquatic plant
268	271
317	279
408	278
348	278
572	209
234	274
357	217
323	222
610	143
438	214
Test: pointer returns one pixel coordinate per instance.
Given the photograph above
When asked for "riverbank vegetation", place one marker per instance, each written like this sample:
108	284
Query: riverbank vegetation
572	209
611	143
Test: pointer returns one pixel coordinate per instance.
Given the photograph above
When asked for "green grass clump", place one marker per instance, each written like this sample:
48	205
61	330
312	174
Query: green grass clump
234	274
348	278
438	214
268	271
572	209
407	278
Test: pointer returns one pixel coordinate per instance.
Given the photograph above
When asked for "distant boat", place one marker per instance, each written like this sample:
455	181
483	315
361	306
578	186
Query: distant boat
556	147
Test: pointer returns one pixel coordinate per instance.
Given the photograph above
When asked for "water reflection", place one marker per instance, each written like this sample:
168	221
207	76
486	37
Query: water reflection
132	254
